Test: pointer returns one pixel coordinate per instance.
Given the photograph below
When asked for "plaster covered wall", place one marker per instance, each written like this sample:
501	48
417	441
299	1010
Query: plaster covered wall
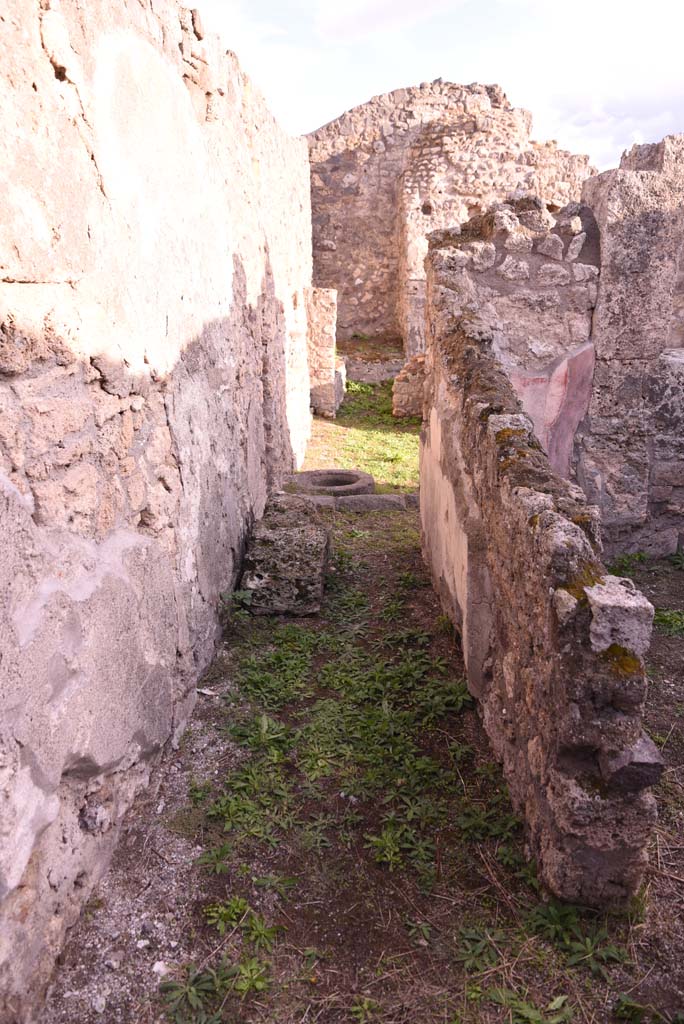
154	258
387	173
553	644
631	450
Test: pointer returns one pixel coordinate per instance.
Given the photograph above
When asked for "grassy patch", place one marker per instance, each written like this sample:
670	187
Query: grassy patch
669	621
626	565
366	436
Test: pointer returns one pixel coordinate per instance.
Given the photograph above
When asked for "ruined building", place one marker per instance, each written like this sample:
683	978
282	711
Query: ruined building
387	174
164	331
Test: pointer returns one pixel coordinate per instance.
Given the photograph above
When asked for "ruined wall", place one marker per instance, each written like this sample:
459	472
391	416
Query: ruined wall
457	170
529	277
154	257
631	453
388	172
327	371
553	644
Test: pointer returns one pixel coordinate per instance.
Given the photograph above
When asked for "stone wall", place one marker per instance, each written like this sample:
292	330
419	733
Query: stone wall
529	278
408	388
155	255
388	172
553	644
327	372
631	453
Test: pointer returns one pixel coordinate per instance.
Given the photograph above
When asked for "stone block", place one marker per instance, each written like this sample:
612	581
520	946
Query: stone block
620	616
286	559
551	245
371	503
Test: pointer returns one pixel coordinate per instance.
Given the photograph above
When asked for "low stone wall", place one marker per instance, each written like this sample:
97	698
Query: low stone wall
327	372
155	249
553	644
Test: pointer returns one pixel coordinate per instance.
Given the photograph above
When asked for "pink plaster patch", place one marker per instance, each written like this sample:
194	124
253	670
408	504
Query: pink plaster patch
556	400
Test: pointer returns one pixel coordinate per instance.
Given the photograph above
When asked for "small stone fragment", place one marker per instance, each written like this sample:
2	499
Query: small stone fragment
633	768
565	605
551	245
99	1003
518	242
514	270
576	246
549	273
483	254
584	272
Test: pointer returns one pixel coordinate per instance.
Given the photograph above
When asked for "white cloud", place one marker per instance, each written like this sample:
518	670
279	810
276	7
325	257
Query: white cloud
596	74
358	19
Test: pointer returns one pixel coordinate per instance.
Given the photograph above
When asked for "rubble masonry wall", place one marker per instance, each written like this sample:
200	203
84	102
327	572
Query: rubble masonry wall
630	452
553	644
326	370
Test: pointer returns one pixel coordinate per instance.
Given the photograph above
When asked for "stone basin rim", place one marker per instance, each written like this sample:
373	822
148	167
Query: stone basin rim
331	481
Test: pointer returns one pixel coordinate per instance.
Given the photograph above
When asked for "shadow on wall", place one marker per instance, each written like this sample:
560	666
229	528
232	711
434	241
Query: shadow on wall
124	504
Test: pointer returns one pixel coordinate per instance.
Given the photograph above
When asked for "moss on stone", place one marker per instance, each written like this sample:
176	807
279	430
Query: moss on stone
508	433
506	461
622	661
590	574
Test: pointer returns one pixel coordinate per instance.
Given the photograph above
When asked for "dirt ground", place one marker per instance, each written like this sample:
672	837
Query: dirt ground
332	842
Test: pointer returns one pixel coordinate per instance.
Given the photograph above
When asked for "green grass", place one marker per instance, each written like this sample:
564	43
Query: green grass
366	436
626	565
669	621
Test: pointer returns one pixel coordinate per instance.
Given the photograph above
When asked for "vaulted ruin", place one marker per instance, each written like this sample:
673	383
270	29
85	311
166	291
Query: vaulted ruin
175	272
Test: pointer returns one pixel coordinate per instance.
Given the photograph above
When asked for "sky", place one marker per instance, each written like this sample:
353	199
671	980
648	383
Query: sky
598	75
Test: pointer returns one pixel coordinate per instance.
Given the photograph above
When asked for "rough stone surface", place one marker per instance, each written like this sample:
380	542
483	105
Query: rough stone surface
408	388
326	372
364	502
515	554
620	614
370	502
631	451
286	559
540	325
154	259
372	372
387	173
